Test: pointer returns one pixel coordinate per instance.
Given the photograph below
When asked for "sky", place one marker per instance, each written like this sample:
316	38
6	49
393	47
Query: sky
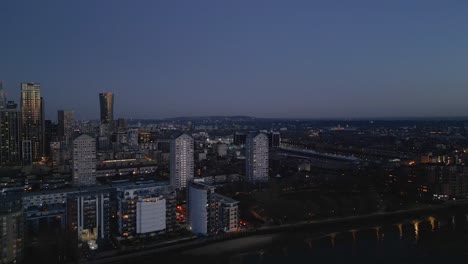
293	59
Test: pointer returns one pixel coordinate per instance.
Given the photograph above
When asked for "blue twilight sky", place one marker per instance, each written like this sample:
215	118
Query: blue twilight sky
318	59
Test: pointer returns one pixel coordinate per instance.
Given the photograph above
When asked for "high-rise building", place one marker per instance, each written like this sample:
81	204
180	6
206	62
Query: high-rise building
10	135
84	161
106	101
51	134
11	228
66	123
32	118
182	156
256	157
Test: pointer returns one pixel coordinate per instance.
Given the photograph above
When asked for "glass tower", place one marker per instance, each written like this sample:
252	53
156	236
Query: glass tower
32	118
106	101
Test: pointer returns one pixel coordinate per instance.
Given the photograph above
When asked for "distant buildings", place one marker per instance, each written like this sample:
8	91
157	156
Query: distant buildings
84	161
209	212
11	228
66	122
10	135
256	155
32	118
182	161
106	101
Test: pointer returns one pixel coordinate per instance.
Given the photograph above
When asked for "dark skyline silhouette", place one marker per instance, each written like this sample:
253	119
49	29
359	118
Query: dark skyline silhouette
295	59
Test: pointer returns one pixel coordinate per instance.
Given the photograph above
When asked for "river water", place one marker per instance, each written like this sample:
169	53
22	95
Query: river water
432	239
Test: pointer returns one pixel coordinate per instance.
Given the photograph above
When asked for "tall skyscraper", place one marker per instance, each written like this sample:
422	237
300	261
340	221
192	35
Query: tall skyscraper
10	135
32	118
66	122
181	161
256	157
84	161
106	101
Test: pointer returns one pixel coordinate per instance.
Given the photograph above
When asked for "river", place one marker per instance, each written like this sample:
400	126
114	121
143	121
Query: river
431	239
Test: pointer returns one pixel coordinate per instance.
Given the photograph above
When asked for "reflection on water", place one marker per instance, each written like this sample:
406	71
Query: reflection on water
416	230
354	234
339	247
400	230
425	240
377	233
332	239
432	222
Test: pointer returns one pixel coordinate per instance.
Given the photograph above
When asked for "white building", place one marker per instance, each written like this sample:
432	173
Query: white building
182	156
256	157
150	215
84	161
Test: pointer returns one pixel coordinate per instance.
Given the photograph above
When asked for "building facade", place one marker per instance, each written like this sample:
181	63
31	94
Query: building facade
182	161
32	118
256	157
84	161
145	209
88	214
201	205
209	212
228	213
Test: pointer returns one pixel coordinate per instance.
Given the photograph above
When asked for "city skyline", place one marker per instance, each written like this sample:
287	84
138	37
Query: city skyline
308	60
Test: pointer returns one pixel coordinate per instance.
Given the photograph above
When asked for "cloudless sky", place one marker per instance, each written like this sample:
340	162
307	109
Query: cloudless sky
317	59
